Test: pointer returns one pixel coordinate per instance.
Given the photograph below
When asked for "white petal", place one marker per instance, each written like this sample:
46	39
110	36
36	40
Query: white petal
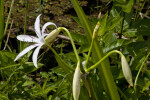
44	34
47	24
37	26
27	38
35	54
25	51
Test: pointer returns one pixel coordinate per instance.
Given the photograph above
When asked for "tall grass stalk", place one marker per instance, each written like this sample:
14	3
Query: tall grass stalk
140	10
6	26
7	22
25	22
1	21
6	42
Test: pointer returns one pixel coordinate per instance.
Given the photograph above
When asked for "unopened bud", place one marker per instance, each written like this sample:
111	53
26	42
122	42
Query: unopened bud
52	35
96	29
76	82
126	70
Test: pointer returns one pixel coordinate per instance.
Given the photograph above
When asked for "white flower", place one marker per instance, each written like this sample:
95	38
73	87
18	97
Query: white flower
38	41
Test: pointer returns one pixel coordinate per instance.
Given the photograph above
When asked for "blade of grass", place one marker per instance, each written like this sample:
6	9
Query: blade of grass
25	22
1	21
6	26
105	73
10	66
6	43
137	76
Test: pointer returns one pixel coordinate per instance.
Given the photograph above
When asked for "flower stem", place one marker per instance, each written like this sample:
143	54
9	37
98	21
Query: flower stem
108	54
85	66
90	50
73	45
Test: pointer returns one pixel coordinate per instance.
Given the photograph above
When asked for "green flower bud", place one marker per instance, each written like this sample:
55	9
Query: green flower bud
76	82
126	70
52	35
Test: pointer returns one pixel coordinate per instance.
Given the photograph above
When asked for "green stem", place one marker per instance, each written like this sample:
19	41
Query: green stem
85	66
73	45
122	23
137	76
7	22
9	66
101	60
138	4
122	93
61	50
25	22
90	50
7	46
141	9
1	21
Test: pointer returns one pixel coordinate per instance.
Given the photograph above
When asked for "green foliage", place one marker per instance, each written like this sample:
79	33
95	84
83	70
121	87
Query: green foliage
126	5
120	29
102	26
116	45
140	27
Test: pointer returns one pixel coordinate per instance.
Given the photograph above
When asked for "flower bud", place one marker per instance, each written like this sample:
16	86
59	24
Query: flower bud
76	82
126	70
96	29
52	35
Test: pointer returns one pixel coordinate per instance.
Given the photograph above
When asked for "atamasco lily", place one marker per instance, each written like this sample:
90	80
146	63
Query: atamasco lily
38	41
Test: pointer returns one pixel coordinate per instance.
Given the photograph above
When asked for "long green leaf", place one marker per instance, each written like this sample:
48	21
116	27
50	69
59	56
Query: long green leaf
104	68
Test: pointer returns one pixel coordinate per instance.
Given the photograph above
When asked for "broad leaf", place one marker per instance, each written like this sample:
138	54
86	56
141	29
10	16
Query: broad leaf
29	67
126	6
116	44
79	38
140	27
